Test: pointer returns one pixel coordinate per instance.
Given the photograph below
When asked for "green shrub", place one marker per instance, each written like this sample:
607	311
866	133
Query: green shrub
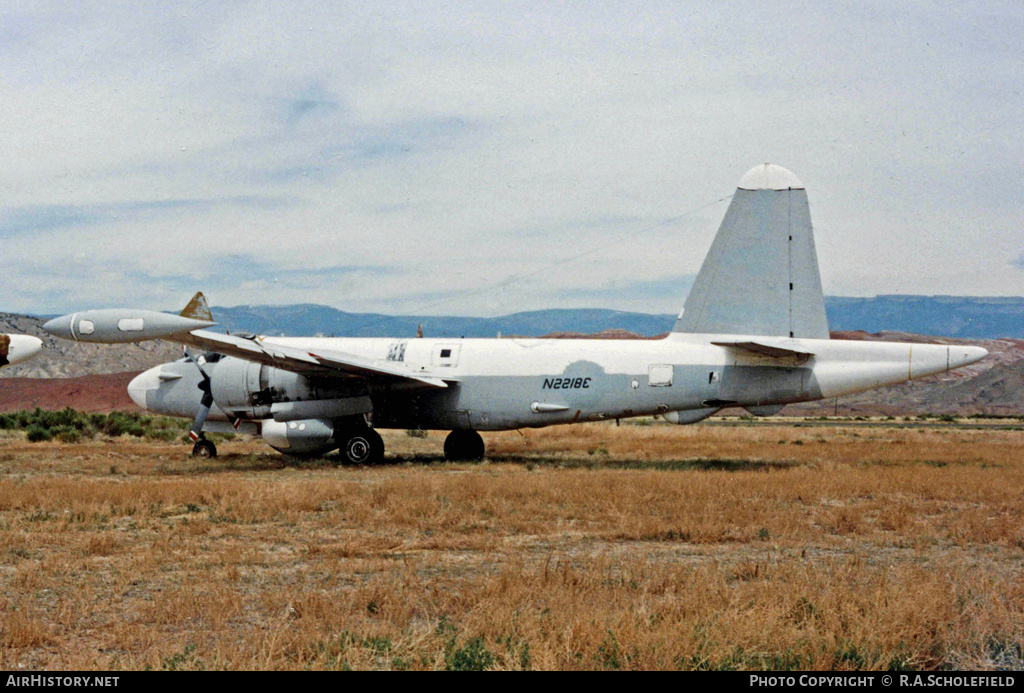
67	434
474	656
36	433
121	423
161	434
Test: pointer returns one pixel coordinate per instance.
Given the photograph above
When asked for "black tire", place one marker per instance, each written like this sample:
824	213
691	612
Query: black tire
204	448
464	445
361	446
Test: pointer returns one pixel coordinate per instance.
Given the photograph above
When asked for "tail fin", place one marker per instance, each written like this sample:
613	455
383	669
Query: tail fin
197	308
761	275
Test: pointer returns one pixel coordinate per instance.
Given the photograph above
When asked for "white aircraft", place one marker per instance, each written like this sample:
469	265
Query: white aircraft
752	334
15	348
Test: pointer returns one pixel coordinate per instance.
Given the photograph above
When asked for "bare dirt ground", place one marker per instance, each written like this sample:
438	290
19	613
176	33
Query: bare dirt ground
784	545
93	393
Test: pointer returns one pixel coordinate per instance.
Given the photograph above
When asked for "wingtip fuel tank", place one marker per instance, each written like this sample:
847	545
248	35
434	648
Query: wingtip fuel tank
115	326
15	348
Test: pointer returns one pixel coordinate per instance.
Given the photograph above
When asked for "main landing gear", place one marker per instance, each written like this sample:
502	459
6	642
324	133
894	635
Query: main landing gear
463	445
361	445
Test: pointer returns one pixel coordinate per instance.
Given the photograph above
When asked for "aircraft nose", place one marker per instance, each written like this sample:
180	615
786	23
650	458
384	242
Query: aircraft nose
60	327
142	384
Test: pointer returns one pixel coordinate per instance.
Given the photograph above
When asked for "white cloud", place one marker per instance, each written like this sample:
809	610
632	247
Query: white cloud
462	145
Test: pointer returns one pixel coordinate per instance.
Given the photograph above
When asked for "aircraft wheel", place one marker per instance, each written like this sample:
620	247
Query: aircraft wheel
462	445
204	448
362	446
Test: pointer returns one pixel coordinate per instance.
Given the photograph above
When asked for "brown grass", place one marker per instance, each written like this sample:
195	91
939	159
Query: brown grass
588	547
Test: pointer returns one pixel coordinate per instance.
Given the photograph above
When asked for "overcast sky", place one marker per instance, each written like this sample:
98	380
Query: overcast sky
485	158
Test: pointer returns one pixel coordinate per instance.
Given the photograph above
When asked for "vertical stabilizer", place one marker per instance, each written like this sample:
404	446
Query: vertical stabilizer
761	275
197	308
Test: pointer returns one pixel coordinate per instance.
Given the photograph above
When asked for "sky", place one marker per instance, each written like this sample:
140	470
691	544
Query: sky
484	158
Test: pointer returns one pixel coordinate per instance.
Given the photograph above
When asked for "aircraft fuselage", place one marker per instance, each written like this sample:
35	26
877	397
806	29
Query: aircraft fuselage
496	384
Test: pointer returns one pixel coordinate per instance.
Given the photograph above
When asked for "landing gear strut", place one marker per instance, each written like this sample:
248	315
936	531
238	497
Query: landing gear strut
361	446
204	448
463	445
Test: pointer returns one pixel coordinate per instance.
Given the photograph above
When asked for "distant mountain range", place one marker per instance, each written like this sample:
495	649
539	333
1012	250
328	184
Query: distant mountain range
948	316
309	320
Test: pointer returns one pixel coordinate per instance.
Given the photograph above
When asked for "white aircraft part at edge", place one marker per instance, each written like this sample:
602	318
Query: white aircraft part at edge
17	348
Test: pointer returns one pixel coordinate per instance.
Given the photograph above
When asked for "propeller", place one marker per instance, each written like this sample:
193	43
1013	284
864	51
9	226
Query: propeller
205	402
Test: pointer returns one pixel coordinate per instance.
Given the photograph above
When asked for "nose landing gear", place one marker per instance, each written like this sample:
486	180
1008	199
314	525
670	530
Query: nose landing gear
204	448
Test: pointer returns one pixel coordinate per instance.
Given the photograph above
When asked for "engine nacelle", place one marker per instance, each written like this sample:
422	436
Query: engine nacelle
249	390
235	386
300	438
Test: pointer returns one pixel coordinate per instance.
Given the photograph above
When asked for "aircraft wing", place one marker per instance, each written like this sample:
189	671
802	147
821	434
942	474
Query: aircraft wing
767	348
111	326
323	362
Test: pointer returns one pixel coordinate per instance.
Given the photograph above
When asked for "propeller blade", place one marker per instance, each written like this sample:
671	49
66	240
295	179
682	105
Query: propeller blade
197	426
204	406
207	400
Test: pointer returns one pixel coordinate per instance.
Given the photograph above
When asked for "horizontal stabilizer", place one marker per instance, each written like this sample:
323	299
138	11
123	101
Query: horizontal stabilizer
765	349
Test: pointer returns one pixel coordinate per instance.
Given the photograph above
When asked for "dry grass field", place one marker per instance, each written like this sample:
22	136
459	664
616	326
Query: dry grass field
771	546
